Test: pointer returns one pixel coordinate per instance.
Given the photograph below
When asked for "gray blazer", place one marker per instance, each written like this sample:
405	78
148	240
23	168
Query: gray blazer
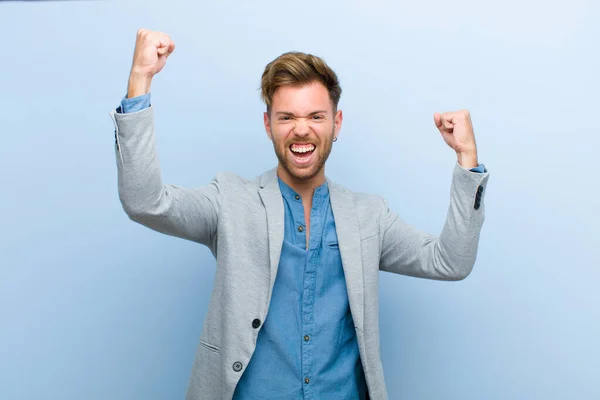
242	222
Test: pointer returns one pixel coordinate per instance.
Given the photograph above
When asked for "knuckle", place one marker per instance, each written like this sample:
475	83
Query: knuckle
149	35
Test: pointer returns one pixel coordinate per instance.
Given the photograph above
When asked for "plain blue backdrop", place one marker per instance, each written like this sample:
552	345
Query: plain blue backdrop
93	306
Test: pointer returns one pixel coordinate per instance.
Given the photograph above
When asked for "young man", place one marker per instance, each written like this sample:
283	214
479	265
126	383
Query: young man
294	310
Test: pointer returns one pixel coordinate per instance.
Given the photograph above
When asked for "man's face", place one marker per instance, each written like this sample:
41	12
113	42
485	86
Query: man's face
302	126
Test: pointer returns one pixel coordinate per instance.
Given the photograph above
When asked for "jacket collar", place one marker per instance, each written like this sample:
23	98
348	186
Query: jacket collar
348	232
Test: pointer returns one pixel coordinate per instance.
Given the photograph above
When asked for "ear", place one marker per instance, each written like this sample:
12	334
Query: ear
337	122
267	123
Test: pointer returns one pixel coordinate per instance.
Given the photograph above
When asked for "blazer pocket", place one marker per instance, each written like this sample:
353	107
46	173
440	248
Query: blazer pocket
210	347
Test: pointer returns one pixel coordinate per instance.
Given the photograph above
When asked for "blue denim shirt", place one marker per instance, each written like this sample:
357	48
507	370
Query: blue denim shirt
307	346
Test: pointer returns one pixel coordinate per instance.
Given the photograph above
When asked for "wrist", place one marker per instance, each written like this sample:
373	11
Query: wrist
138	84
467	160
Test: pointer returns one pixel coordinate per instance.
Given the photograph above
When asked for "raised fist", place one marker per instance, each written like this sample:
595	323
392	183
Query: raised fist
457	131
151	52
149	58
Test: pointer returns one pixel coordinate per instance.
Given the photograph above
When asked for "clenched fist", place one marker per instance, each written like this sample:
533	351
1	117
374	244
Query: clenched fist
149	58
457	130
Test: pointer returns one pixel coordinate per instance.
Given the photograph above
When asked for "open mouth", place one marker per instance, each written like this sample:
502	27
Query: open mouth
302	152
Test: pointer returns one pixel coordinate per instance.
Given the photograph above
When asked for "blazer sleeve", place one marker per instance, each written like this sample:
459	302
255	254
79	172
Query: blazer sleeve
188	213
451	256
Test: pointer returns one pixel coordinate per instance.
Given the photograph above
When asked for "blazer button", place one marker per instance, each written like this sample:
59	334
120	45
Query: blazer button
256	323
237	366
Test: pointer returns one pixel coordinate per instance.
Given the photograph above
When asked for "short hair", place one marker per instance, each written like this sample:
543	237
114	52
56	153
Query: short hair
298	69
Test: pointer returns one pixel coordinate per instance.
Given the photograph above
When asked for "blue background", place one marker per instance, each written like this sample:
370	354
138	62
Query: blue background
93	306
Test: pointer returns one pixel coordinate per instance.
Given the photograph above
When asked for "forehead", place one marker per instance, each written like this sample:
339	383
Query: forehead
301	99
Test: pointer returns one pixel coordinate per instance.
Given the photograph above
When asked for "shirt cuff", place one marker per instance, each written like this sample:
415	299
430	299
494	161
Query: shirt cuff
480	168
134	104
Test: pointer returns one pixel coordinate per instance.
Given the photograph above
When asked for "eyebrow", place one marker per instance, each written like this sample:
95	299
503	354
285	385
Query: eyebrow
292	114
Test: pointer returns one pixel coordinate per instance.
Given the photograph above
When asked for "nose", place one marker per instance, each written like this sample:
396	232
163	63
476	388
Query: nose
301	127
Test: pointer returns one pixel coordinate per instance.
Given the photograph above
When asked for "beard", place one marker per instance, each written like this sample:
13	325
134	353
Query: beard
303	174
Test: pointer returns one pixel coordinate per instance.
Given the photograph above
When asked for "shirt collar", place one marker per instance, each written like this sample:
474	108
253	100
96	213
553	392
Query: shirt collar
290	194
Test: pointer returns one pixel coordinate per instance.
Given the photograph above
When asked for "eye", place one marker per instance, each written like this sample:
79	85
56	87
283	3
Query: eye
318	117
284	118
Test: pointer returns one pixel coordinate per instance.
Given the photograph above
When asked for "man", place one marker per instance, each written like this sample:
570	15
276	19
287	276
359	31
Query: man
294	309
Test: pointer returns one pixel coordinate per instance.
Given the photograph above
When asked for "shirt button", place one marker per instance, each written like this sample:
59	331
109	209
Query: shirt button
256	323
237	366
306	338
297	197
300	228
306	380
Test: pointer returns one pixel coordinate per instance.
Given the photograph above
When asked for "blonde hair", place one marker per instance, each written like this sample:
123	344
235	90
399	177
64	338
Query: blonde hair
298	69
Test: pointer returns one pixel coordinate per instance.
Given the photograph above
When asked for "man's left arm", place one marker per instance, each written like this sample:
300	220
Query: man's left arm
450	256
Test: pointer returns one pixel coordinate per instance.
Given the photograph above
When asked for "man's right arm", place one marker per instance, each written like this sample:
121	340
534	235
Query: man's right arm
187	213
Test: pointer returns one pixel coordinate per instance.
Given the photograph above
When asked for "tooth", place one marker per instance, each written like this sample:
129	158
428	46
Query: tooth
296	148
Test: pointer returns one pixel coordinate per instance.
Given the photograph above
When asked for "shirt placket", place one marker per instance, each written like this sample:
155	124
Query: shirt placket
308	299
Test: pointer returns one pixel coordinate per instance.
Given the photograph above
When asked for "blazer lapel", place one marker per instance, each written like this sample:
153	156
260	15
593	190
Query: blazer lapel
348	232
273	202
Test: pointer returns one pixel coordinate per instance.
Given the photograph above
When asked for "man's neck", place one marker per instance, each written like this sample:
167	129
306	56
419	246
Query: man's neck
304	187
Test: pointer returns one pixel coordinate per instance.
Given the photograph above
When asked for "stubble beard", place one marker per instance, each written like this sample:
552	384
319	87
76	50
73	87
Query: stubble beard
304	174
